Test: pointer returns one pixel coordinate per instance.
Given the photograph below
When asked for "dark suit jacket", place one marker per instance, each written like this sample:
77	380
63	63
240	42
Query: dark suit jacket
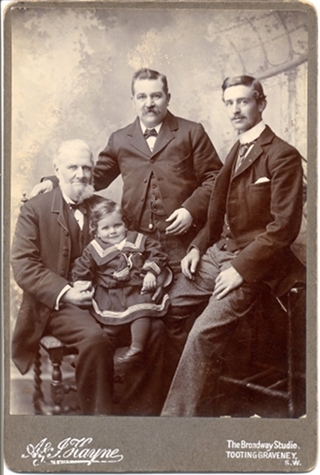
184	163
265	217
41	260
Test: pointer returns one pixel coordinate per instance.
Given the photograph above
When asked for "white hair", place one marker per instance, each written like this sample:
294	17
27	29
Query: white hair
76	144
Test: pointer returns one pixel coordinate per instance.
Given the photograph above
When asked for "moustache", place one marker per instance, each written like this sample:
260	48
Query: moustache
83	180
150	109
236	117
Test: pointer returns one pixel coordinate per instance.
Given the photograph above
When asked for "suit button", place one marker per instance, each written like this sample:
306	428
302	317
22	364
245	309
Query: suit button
151	160
66	233
61	272
145	180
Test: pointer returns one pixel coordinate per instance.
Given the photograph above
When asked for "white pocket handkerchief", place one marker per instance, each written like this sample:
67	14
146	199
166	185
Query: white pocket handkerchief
263	179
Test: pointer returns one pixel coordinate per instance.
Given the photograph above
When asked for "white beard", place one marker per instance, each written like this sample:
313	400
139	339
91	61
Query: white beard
77	192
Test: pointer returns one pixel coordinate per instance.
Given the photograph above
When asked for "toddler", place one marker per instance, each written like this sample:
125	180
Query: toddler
123	267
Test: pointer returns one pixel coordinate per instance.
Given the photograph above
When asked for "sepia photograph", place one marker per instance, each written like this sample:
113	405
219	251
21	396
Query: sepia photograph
159	204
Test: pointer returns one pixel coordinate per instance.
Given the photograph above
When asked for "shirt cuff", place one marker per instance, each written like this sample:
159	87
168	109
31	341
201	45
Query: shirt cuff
192	246
62	292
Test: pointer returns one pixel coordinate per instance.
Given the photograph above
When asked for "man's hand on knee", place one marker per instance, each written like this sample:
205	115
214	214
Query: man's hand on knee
227	280
190	263
80	296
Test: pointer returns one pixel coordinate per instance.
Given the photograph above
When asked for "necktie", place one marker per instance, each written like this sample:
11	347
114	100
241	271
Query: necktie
243	149
150	133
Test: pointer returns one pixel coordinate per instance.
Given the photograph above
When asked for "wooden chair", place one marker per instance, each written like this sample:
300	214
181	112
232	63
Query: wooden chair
276	367
56	352
60	384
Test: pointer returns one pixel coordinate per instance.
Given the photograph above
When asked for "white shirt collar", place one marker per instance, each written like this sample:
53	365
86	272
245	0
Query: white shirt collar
252	134
144	128
77	213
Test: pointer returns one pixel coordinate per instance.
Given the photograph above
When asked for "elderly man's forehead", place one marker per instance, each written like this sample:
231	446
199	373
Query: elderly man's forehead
73	150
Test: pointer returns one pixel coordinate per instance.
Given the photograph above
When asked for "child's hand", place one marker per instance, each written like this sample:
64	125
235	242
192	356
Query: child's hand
83	286
149	282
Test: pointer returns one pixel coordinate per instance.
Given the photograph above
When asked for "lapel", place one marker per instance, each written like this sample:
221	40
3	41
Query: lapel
221	187
137	139
165	136
170	124
226	171
57	207
264	139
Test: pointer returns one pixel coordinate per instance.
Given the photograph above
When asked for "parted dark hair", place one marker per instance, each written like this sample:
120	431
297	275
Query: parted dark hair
99	208
146	73
258	93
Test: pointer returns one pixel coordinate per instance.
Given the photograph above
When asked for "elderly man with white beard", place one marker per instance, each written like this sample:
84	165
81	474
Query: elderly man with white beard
51	232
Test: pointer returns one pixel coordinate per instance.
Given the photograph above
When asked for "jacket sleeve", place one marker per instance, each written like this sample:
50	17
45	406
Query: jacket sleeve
263	254
156	259
28	269
84	267
206	165
106	169
201	241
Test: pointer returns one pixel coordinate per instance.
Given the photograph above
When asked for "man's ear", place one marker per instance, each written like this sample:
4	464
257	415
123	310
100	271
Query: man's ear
168	98
262	106
56	168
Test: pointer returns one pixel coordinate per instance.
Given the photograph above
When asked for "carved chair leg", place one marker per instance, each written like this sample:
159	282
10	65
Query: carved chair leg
57	389
38	398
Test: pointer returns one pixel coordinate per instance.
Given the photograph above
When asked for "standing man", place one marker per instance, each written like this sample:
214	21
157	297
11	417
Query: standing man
168	166
254	216
51	232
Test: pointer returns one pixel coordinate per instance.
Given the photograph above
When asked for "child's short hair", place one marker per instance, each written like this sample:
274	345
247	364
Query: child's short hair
101	207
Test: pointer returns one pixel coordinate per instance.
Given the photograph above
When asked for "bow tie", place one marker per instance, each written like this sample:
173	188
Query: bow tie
80	206
150	133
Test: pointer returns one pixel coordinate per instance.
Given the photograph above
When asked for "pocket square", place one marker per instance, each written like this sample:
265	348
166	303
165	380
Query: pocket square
263	179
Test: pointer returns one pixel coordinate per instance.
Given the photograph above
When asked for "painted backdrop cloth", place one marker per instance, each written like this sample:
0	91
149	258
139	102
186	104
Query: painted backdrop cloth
117	275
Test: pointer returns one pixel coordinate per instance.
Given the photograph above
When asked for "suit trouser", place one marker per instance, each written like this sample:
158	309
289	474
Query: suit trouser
144	391
195	383
94	369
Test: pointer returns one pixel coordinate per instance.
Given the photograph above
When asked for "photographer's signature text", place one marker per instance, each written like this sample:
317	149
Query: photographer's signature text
71	451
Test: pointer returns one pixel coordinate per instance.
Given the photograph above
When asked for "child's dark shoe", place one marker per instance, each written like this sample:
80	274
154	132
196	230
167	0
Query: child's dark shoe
131	357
